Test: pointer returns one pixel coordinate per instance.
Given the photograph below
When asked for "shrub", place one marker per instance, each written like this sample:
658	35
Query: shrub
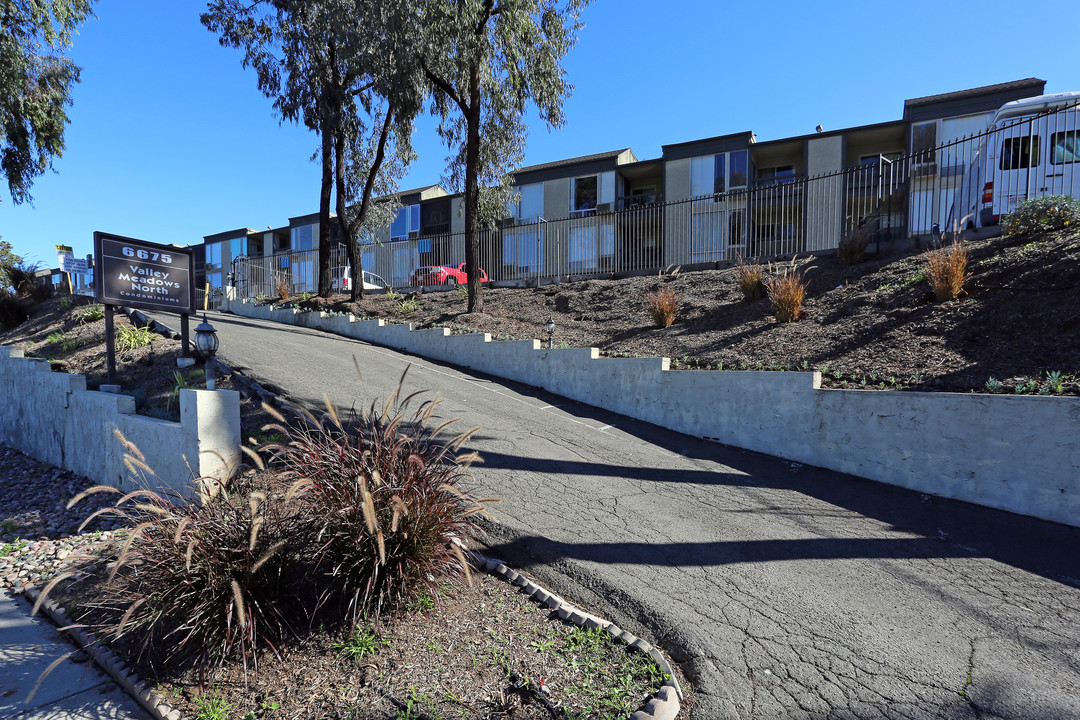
90	313
663	304
1049	212
750	277
853	245
12	312
945	269
23	278
281	285
129	337
388	505
786	291
409	305
66	342
200	583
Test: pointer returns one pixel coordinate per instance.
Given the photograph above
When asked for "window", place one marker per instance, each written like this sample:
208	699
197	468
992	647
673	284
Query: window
715	174
236	247
737	165
406	222
923	141
778	174
530	206
213	264
1019	153
583	196
1065	147
302	237
701	176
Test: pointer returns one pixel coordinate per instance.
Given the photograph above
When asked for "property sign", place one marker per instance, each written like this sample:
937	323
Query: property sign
64	255
142	274
74	265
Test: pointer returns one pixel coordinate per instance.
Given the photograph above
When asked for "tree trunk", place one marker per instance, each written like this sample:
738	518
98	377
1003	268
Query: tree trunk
472	190
325	285
356	292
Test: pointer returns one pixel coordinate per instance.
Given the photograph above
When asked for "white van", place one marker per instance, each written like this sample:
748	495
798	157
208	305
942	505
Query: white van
1032	148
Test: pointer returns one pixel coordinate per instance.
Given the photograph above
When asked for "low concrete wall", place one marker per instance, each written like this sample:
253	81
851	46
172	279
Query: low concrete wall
1017	453
54	418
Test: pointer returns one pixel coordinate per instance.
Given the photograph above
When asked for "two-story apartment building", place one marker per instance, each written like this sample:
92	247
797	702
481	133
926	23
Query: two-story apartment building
702	201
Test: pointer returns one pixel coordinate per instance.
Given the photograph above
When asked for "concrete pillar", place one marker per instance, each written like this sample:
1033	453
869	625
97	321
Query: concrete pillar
210	421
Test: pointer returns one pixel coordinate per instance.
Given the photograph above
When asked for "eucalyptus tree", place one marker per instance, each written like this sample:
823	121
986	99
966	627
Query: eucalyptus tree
485	60
374	148
329	64
36	83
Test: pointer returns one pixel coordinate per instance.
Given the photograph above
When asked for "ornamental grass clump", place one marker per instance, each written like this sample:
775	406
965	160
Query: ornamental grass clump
786	291
199	583
663	305
750	277
387	502
853	246
946	270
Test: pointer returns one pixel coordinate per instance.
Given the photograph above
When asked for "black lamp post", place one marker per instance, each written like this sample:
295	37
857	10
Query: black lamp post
206	342
549	326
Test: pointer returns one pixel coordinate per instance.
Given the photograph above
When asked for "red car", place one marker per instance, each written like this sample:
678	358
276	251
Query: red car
442	275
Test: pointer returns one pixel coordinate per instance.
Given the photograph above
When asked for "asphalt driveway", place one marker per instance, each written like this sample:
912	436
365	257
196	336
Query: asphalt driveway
786	591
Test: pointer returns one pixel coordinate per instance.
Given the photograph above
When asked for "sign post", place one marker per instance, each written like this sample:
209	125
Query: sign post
65	258
141	274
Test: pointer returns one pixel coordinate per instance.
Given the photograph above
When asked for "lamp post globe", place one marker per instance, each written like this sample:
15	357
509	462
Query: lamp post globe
206	342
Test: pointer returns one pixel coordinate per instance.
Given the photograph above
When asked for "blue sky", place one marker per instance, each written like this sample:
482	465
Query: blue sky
170	139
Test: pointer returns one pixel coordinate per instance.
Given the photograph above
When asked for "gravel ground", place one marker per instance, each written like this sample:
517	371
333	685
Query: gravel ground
39	535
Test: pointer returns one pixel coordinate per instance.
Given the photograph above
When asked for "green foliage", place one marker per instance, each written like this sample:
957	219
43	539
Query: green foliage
409	305
90	313
32	123
212	707
1049	212
340	68
13	547
361	643
595	652
129	337
66	342
65	303
8	260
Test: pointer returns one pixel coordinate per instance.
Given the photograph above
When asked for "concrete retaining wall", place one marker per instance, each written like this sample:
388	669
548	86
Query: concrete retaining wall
54	418
1017	453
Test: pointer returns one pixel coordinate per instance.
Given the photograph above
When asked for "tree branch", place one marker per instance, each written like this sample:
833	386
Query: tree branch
489	11
363	89
373	172
444	86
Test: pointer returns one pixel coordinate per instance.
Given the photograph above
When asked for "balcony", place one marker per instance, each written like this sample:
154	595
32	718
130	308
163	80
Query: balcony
634	202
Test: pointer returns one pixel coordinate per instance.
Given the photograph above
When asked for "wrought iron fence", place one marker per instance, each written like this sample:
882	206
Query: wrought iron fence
965	182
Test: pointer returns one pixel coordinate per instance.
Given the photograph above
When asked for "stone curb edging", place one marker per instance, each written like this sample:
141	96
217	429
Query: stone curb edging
665	703
140	690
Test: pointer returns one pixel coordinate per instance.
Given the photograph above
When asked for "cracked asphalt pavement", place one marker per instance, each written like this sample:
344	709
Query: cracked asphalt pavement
784	591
